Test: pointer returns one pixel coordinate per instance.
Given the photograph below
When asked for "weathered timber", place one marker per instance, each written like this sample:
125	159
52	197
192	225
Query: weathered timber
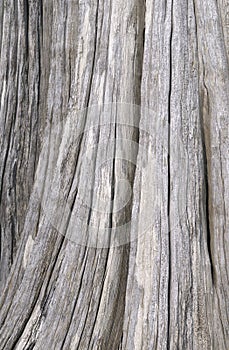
114	174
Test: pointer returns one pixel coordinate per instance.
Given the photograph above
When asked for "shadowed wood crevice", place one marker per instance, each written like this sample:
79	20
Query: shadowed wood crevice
169	171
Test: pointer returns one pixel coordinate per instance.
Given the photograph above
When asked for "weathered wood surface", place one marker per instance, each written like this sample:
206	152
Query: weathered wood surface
154	73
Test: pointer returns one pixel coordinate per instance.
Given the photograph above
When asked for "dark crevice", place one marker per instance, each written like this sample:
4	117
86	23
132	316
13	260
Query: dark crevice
169	176
13	240
94	55
1	29
5	159
26	19
207	202
112	185
206	182
31	346
208	224
39	97
41	20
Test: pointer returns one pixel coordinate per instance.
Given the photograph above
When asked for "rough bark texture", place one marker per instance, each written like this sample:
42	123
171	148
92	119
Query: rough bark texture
69	66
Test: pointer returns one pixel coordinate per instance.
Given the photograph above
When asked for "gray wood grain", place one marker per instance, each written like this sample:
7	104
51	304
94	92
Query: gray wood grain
114	174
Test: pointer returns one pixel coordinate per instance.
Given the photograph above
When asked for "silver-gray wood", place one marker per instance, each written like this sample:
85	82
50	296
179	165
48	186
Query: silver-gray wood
114	177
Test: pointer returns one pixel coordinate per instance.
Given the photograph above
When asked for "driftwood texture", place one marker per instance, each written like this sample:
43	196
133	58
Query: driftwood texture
78	73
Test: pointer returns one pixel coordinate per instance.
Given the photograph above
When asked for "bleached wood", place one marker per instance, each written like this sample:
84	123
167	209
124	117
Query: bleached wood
154	73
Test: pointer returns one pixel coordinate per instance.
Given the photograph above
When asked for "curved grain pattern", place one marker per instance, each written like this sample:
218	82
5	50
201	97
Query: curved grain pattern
93	92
